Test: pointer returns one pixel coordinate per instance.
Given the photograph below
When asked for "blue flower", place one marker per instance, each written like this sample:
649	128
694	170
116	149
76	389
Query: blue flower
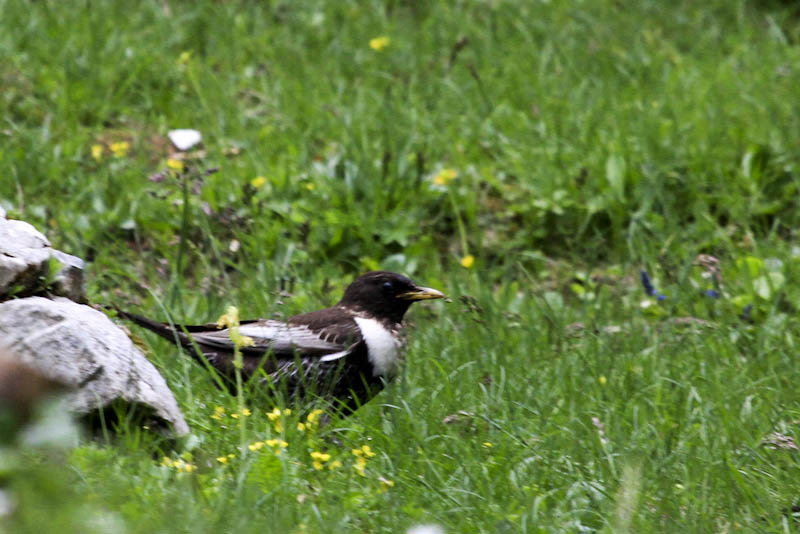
712	294
648	287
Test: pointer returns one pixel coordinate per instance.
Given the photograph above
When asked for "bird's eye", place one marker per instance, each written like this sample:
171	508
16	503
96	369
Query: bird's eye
388	286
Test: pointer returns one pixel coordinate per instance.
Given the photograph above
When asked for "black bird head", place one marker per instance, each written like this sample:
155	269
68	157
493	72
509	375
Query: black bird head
384	295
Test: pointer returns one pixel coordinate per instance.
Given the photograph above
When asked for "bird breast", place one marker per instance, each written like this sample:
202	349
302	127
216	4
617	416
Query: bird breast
383	347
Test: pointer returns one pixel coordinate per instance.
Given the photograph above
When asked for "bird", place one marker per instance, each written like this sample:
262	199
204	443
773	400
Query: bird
345	353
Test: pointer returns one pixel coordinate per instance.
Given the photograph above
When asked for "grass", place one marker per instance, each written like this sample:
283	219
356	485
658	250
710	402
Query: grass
589	140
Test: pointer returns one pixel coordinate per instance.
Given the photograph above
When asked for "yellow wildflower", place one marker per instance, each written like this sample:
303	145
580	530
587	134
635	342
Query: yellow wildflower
274	414
230	319
602	380
178	465
301	427
174	164
184	58
258	182
255	446
186	467
246	412
379	43
97	152
321	456
287	411
385	484
278	426
468	261
367	451
317	465
313	417
445	176
222	459
334	465
120	149
219	413
360	465
488	444
235	415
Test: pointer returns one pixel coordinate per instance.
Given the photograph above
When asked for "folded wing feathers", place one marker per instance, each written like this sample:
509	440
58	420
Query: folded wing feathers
283	339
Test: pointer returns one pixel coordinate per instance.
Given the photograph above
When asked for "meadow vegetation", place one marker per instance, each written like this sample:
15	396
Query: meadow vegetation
529	158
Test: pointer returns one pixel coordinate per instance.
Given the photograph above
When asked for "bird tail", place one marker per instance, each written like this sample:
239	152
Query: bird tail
172	333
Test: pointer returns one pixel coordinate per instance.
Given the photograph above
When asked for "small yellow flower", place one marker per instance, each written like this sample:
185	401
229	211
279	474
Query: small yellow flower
282	444
219	413
188	467
274	414
230	319
235	415
184	58
468	261
166	461
246	412
97	152
314	416
255	446
321	456
222	459
357	452
360	465
445	176
336	464
287	411
379	43
258	182
317	465
301	427
602	380
120	149
488	444
385	484
174	164
278	426
367	451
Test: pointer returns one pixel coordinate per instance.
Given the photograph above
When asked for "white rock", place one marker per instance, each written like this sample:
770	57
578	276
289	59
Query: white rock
79	346
185	139
425	529
24	262
24	254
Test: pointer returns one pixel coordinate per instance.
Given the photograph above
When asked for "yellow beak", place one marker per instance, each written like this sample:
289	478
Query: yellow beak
422	293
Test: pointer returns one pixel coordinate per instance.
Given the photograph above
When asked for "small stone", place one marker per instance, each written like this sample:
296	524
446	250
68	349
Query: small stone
185	139
68	280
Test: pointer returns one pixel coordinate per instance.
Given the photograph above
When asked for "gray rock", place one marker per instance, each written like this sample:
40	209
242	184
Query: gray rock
25	255
79	346
68	281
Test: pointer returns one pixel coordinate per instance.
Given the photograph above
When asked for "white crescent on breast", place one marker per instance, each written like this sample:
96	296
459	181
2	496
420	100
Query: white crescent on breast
383	347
